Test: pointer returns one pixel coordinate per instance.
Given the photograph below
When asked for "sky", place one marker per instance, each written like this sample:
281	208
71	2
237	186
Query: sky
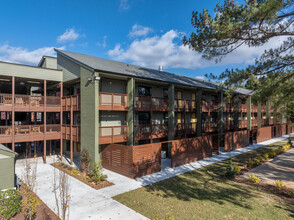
142	32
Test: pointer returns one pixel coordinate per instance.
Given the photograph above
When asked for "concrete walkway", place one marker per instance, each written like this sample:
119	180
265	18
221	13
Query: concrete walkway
87	202
279	168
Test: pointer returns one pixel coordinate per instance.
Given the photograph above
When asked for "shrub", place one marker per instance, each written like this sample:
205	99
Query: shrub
30	203
250	163
10	203
279	184
69	168
85	177
291	194
96	172
254	179
75	172
266	156
286	147
231	170
238	169
279	150
290	141
85	160
272	154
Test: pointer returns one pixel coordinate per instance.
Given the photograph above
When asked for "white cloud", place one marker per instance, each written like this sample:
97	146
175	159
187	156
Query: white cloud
200	77
168	50
124	5
139	30
24	56
68	36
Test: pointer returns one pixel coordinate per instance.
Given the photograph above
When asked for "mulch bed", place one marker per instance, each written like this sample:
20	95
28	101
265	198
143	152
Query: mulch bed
43	212
83	177
282	193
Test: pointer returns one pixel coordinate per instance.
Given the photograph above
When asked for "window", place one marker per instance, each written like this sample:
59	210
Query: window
144	118
144	91
165	93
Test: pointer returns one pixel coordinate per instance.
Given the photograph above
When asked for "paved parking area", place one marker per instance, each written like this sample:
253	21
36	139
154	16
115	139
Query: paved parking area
280	168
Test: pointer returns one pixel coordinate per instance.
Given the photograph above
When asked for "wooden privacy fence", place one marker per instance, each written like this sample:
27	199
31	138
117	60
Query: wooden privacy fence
262	134
236	140
190	149
133	161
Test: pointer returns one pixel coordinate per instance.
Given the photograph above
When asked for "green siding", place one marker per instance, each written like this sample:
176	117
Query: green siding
131	88
6	172
9	69
90	114
71	70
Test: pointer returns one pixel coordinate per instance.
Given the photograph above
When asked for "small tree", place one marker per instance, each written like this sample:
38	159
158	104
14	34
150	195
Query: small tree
61	190
30	201
231	170
97	174
85	160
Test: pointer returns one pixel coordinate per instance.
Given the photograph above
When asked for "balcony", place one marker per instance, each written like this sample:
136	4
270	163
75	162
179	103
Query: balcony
254	108
263	122
68	101
254	122
185	105
263	108
113	134
243	108
209	106
149	103
25	133
228	107
183	129
66	132
242	124
228	125
208	126
271	121
113	101
28	103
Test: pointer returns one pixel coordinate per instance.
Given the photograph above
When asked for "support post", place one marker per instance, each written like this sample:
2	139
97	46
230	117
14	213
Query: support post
268	112
35	149
171	116
61	120
220	117
45	119
71	130
50	148
13	112
131	110
249	113
90	114
199	113
259	114
236	113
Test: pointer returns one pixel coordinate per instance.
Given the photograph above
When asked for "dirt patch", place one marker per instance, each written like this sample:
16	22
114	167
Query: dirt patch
43	212
83	177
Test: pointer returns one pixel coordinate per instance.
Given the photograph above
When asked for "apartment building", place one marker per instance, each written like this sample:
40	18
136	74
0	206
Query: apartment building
76	101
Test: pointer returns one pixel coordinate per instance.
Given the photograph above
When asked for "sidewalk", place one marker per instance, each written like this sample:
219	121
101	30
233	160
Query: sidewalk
87	202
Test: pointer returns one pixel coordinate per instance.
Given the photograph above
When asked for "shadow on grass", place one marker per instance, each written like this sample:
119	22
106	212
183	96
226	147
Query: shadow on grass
206	184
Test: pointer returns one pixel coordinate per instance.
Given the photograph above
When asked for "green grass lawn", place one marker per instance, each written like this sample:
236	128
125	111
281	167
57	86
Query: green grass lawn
203	194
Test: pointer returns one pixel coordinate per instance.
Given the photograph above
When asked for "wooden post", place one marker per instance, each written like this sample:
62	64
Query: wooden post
50	148
61	119
71	130
13	111
35	149
45	119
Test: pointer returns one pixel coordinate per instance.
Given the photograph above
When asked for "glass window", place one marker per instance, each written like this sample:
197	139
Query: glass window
144	91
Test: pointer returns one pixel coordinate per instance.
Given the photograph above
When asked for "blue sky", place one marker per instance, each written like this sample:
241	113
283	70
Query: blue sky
142	32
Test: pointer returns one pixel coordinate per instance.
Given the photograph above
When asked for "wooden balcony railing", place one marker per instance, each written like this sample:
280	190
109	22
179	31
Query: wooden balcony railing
143	132
76	133
5	99
263	108
271	121
209	106
113	134
263	122
148	103
243	108
254	122
68	101
208	126
185	105
113	101
228	125
185	129
228	107
254	108
242	123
